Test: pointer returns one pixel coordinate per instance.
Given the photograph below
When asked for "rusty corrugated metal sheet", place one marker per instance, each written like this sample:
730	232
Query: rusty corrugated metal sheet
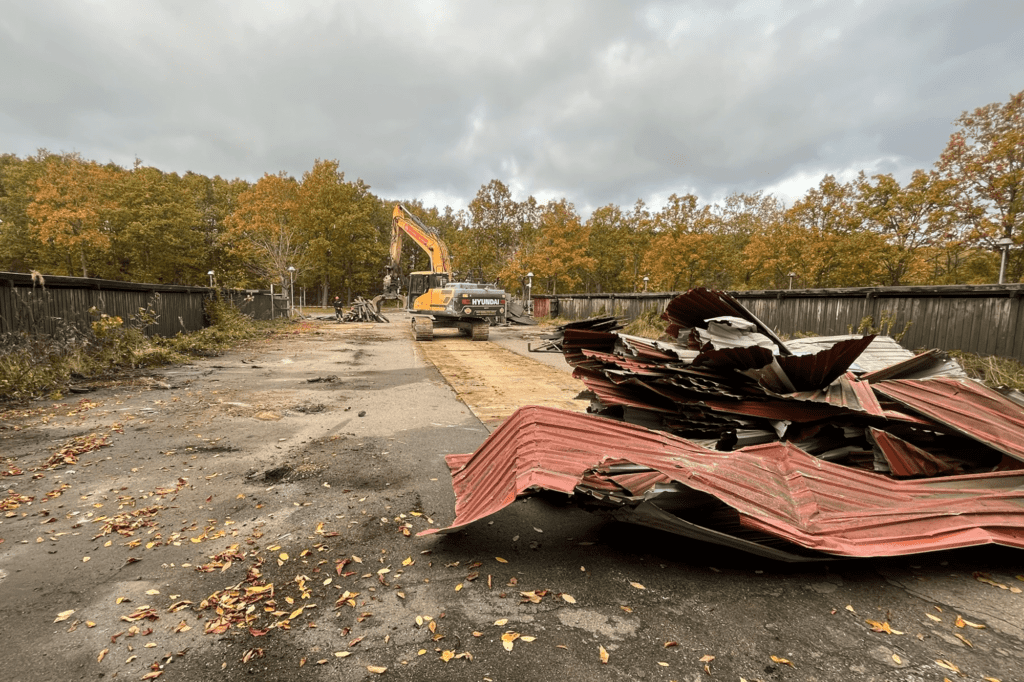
775	488
697	305
808	372
927	364
965	406
906	459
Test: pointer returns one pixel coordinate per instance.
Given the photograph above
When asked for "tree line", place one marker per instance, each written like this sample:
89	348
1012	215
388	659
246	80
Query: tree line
65	215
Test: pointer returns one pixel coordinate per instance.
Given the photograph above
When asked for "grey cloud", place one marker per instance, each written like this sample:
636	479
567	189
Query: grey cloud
595	101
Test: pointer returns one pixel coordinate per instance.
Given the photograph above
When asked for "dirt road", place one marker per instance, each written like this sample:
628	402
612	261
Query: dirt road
253	516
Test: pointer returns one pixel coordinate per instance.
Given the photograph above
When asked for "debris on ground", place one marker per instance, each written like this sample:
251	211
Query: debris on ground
517	314
363	310
795	451
553	342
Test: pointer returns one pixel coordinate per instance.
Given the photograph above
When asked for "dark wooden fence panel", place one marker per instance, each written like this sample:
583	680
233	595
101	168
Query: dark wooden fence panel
984	319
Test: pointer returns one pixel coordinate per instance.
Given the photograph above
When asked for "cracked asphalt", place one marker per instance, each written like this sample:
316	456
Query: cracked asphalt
254	516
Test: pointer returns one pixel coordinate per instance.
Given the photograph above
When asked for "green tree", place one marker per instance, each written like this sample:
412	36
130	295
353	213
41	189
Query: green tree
557	261
496	235
262	231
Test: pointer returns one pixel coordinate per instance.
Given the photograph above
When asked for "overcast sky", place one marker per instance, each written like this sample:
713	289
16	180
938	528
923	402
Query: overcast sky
597	101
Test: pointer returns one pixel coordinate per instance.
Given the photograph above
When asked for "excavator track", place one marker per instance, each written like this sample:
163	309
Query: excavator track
423	328
480	330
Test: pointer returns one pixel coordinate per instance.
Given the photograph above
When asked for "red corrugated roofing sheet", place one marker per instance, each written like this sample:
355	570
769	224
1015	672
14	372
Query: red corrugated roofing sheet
775	488
966	406
697	305
906	459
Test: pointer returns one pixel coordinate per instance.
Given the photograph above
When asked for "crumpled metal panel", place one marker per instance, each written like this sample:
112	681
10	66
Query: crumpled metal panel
776	488
931	363
697	305
809	372
906	459
966	406
846	392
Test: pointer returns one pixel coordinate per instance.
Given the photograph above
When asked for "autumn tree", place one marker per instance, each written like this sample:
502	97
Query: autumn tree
558	262
497	232
70	210
262	231
684	250
984	159
335	223
619	241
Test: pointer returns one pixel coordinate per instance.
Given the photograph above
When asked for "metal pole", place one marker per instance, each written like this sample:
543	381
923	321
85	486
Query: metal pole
1002	264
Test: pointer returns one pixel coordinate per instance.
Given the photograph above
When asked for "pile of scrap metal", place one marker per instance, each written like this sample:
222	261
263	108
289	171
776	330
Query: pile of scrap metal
552	343
363	311
790	451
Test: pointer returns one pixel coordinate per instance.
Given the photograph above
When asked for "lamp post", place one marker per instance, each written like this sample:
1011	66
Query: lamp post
791	276
646	279
529	290
1004	245
291	290
210	273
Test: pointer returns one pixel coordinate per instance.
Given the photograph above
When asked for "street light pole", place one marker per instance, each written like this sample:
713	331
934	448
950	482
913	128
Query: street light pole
291	291
646	279
210	273
529	291
791	276
1004	245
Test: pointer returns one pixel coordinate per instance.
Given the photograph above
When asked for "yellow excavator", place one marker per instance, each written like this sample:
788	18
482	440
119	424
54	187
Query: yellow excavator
432	297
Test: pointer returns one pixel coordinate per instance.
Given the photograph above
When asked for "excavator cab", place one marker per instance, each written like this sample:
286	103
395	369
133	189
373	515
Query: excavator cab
422	282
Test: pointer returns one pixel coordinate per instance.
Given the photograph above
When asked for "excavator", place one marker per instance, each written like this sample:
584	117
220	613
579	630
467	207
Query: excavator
436	301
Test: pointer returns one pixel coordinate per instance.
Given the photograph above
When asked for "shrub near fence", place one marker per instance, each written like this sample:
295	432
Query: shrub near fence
983	319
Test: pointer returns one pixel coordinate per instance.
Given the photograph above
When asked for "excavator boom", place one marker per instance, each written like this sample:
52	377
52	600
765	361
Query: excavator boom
427	237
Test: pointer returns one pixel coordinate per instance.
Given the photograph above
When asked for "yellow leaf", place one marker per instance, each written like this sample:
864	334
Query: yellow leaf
477	633
603	653
99	659
407	562
510	637
90	624
707	659
85	558
569	598
421	652
432	626
63	615
562	646
963	639
978	626
419	620
528	638
295	614
152	592
447	655
897	659
499	622
500	560
283	556
626	609
342	654
960	622
458	587
783	661
948	665
849	607
377	669
637	585
935	618
663	664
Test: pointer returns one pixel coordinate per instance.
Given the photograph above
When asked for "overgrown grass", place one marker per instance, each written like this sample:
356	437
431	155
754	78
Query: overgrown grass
649	325
990	370
33	366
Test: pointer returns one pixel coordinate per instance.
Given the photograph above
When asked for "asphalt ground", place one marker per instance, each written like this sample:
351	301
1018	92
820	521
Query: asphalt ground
302	461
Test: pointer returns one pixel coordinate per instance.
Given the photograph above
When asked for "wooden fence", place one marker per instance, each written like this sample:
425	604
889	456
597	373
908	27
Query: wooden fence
61	304
983	319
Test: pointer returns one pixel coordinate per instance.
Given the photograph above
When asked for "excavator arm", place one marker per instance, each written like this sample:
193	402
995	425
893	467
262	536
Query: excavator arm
428	239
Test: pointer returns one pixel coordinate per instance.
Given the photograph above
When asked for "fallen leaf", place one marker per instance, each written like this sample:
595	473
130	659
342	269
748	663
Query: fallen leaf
507	640
85	558
882	627
283	556
897	659
458	587
626	609
152	592
63	615
948	665
99	659
977	626
499	622
561	646
963	639
447	655
783	661
849	607
960	622
603	653
377	669
500	560
637	585
663	663
707	659
342	654
527	638
671	643
933	617
569	598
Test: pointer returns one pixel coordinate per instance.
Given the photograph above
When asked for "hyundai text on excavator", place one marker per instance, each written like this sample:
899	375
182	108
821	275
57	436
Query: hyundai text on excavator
436	301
